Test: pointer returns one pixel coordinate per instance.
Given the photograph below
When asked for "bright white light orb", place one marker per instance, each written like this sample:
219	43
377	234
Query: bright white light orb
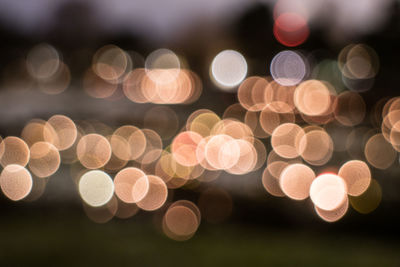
96	188
228	69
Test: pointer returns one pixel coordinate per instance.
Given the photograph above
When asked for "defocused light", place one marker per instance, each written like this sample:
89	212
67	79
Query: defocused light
222	152
181	220
35	131
184	147
43	61
156	195
204	123
369	200
44	160
125	185
270	178
235	111
350	108
357	176
162	59
93	151
64	132
128	142
254	93
14	150
153	146
275	114
15	182
291	29
110	63
333	215
96	188
247	158
252	120
228	69
316	147
295	181
328	191
379	153
285	140
312	98
288	68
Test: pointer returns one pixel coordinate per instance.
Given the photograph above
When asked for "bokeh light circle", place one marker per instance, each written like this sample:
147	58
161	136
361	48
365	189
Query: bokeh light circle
328	191
228	69
96	188
288	68
15	182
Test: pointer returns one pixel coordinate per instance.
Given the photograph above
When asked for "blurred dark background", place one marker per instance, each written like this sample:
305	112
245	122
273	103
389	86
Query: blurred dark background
262	230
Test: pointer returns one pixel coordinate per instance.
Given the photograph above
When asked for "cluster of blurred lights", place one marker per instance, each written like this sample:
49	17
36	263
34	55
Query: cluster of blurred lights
161	78
120	171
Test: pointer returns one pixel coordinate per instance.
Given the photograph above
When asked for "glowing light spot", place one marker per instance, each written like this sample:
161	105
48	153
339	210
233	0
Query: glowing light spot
261	153
357	176
291	29
228	69
379	153
247	158
312	98
222	152
153	147
126	187
14	150
236	129
162	59
275	114
156	195
128	142
204	123
254	93
64	132
132	86
15	182
316	147
285	139
44	160
295	181
35	131
93	151
96	188
270	178
359	62
110	63
333	215
180	222
328	191
252	120
288	68
184	148
43	61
